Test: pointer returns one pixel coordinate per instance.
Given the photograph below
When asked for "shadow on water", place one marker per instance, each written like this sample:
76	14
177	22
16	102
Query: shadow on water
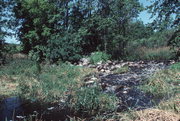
16	109
10	107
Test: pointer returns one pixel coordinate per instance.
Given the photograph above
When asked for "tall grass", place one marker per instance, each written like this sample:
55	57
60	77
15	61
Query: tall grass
91	101
59	83
144	53
164	84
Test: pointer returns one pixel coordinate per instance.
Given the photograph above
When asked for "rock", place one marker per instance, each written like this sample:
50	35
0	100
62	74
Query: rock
20	117
93	78
51	108
90	82
118	66
102	70
99	63
107	71
84	61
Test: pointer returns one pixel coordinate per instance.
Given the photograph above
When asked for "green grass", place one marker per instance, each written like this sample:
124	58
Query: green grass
144	53
17	67
55	83
164	84
65	82
90	101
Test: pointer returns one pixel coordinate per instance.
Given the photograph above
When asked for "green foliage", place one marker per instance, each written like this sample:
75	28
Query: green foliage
12	49
60	82
164	10
64	47
172	104
49	30
153	48
90	101
99	56
39	19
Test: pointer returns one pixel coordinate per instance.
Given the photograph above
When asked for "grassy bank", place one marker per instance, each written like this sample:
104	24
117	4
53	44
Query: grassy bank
65	83
55	84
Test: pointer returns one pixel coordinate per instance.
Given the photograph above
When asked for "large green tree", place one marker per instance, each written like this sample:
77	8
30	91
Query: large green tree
39	19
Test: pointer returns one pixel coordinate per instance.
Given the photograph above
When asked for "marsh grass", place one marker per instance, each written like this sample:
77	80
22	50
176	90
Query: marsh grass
163	84
56	83
145	53
91	101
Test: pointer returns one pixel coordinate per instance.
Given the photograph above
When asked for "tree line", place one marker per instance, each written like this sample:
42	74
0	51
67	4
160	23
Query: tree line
67	29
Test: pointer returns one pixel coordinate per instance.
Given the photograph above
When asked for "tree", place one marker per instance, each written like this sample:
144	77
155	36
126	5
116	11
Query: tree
164	10
5	18
1	27
168	11
39	19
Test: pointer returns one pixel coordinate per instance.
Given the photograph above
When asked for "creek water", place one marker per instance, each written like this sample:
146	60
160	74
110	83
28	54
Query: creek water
123	85
10	107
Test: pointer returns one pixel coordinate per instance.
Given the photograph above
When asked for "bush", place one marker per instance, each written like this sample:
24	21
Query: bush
99	56
90	101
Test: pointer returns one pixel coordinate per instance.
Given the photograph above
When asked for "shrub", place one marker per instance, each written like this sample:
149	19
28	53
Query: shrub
99	56
90	101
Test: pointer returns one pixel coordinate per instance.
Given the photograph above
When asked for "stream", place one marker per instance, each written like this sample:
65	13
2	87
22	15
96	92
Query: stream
124	85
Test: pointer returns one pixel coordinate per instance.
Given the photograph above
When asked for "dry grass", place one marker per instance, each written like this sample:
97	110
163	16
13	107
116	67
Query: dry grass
156	115
7	86
161	53
172	104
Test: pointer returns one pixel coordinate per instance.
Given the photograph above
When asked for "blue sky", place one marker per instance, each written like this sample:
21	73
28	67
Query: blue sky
144	16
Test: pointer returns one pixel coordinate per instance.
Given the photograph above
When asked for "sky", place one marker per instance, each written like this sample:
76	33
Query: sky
144	16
